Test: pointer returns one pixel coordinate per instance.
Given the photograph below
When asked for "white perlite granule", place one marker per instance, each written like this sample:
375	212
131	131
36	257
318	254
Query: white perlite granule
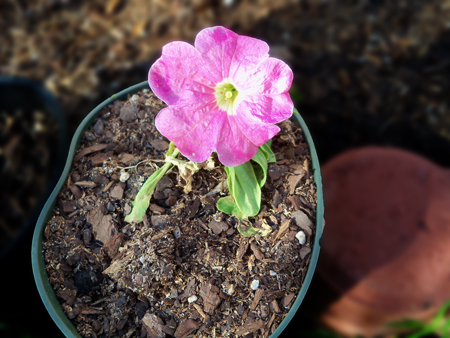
192	299
124	176
301	237
255	284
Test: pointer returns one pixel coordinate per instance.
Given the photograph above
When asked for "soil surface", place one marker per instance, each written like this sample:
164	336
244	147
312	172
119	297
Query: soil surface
184	271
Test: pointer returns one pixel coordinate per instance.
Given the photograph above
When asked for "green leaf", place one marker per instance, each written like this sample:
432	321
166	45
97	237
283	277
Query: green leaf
446	329
268	153
442	312
422	329
244	183
411	324
440	320
423	333
142	200
263	156
244	188
228	206
260	168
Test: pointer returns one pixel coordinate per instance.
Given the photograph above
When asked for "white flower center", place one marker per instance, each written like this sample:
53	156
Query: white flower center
227	96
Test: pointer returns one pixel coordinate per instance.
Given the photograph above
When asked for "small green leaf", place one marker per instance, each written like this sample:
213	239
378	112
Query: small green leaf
265	148
250	230
245	193
263	156
142	200
228	206
260	168
295	111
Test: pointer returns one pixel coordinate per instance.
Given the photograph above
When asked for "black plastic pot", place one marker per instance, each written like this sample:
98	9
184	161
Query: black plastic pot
25	96
19	94
46	290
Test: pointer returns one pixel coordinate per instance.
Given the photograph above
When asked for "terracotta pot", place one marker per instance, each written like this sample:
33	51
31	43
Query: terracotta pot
46	290
386	251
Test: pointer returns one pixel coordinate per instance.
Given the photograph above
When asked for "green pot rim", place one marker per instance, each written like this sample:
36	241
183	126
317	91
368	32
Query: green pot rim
46	290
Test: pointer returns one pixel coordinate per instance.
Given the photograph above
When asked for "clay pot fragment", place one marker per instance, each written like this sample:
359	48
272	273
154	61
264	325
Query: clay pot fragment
386	249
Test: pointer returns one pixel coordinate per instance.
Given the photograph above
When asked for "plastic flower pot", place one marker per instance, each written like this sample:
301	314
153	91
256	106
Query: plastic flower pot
386	252
25	104
46	290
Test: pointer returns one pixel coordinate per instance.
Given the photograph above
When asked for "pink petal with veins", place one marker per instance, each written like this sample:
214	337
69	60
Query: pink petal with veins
176	121
271	77
234	148
253	129
225	53
268	109
198	144
178	74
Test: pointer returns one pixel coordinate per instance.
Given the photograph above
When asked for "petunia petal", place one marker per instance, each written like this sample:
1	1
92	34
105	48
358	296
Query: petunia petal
225	53
234	148
202	140
252	128
179	74
268	109
194	130
272	76
176	121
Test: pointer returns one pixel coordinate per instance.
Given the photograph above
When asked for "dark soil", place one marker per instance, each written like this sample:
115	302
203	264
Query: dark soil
185	270
27	143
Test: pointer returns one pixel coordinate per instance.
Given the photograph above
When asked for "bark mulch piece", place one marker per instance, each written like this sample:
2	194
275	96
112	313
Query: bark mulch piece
185	270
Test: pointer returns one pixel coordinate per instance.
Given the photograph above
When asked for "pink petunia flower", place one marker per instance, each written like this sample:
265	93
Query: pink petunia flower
224	95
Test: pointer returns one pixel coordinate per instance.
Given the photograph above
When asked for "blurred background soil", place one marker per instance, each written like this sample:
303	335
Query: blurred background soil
365	72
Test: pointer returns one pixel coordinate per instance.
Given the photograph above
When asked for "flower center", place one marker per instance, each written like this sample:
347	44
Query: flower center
226	96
